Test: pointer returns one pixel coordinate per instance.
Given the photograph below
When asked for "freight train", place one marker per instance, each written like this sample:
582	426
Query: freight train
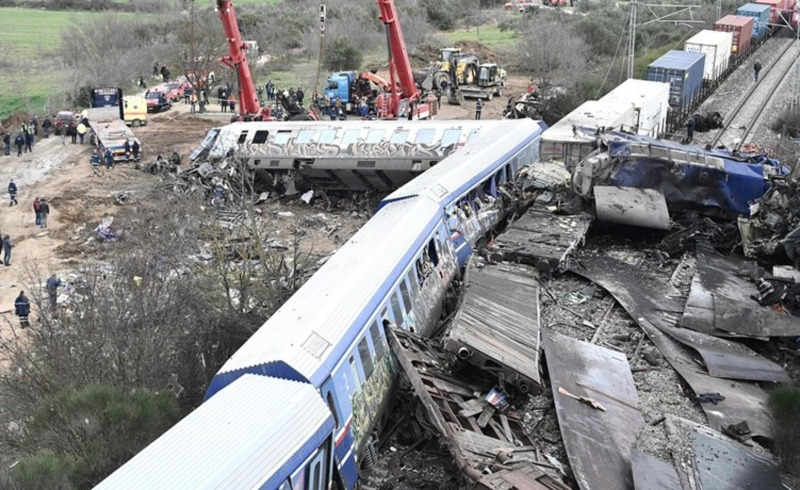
296	406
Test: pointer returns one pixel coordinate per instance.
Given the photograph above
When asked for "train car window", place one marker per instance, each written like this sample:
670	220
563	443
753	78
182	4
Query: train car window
424	136
350	136
282	137
420	272
332	408
356	377
398	312
316	477
327	136
366	358
473	134
304	136
432	254
406	296
498	177
374	136
509	173
242	137
450	137
412	279
385	314
399	137
260	137
377	340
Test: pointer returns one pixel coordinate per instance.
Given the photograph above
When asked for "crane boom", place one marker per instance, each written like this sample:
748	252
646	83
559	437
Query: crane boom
399	62
237	60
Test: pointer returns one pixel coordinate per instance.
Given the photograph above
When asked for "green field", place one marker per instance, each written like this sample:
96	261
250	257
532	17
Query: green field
489	36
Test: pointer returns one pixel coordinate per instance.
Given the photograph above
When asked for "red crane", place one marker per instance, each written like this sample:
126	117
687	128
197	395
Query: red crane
400	65
237	60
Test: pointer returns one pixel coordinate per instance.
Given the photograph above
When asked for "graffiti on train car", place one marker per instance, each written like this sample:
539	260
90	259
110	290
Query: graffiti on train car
368	400
359	148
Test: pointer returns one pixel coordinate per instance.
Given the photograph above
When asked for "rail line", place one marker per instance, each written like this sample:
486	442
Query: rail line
747	113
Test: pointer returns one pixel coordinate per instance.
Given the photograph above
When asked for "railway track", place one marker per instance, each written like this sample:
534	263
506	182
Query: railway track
744	118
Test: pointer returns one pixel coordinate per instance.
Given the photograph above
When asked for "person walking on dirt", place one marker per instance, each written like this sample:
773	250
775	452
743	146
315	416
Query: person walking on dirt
28	140
12	193
95	161
478	109
757	69
53	283
155	69
6	144
109	160
37	210
46	125
223	99
32	133
63	132
81	130
127	151
44	210
22	308
35	124
7	246
193	102
232	103
19	142
135	150
690	124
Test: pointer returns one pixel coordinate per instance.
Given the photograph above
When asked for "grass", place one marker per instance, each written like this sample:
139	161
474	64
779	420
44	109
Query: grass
490	36
30	33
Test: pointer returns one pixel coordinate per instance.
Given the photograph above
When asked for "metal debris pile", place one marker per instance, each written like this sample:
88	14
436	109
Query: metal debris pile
635	291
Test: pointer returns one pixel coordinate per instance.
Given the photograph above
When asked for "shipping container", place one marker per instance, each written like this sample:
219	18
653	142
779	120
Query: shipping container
777	9
742	29
760	14
650	102
684	73
566	141
716	46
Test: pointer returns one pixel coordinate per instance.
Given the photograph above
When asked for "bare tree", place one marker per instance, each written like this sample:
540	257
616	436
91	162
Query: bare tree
551	53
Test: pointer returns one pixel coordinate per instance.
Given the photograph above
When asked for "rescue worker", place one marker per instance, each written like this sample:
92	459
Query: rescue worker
46	125
6	144
37	211
95	161
232	103
44	210
81	130
757	69
63	133
53	283
109	157
127	151
12	193
690	129
135	150
478	109
22	308
19	142
7	246
439	98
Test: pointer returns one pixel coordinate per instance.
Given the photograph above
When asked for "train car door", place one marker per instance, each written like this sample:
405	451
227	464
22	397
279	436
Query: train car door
343	461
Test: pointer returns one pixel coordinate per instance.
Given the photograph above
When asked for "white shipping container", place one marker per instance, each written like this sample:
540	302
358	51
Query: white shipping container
717	47
650	102
561	143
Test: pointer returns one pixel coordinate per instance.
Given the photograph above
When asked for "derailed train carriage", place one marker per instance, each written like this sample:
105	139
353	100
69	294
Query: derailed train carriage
329	337
342	155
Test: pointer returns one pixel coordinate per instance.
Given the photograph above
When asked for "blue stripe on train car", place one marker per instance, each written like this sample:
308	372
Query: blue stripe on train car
760	15
684	72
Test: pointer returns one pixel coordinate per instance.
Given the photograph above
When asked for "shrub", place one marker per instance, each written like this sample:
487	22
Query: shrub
42	470
788	123
343	55
784	403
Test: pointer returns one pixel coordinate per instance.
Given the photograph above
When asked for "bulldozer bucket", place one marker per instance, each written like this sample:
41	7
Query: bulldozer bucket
455	97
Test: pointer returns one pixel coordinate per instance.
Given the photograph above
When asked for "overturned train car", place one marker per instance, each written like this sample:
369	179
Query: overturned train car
342	155
330	337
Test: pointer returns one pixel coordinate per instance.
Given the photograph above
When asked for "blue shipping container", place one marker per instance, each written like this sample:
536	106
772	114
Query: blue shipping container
760	15
684	73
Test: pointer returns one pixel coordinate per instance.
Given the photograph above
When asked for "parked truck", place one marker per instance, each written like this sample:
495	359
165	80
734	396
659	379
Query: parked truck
109	116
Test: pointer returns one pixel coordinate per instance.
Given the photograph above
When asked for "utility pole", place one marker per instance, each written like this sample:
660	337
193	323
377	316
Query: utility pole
322	14
632	39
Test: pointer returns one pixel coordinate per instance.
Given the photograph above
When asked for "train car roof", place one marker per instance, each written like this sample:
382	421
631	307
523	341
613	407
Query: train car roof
311	332
251	435
454	175
229	135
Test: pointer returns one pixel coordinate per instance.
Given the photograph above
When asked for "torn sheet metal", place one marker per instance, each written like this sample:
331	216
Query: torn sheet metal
630	206
691	179
644	298
542	239
651	473
734	310
497	324
708	460
492	443
598	436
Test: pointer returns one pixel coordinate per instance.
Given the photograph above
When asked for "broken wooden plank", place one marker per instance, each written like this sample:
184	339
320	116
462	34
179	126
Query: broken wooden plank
598	441
472	407
486	415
